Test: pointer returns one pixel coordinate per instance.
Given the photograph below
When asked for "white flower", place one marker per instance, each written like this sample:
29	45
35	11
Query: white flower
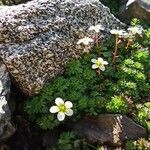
136	30
1	86
96	28
62	108
124	35
85	41
118	32
2	103
99	63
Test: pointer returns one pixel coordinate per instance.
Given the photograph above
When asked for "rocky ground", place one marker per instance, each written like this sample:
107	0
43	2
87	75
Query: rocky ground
17	132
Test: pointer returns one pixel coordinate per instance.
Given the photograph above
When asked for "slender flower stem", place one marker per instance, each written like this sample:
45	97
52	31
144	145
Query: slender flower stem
116	48
86	49
96	40
98	71
128	43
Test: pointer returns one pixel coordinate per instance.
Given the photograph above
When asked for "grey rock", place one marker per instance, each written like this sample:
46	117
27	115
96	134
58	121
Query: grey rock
135	9
109	129
38	38
6	128
13	2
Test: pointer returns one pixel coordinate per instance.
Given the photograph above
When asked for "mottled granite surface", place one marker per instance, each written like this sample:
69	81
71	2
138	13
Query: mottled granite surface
38	38
6	128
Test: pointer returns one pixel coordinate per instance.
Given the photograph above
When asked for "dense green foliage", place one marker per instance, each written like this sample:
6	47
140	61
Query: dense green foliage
92	93
124	87
117	105
70	141
140	144
114	5
143	114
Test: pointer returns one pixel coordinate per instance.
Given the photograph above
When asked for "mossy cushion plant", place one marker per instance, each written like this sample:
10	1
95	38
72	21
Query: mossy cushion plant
109	79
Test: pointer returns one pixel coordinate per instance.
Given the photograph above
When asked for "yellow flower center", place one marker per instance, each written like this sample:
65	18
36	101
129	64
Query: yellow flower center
98	63
62	108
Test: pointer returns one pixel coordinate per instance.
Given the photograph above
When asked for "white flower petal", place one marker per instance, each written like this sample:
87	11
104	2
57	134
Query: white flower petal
60	116
91	28
94	66
102	68
96	28
117	32
54	109
113	31
90	40
125	34
121	32
59	101
69	112
79	42
68	104
136	30
105	62
100	60
93	60
99	63
99	27
85	41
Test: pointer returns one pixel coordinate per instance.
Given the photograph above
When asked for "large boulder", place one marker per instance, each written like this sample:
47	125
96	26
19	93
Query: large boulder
109	129
12	2
6	128
38	38
135	9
